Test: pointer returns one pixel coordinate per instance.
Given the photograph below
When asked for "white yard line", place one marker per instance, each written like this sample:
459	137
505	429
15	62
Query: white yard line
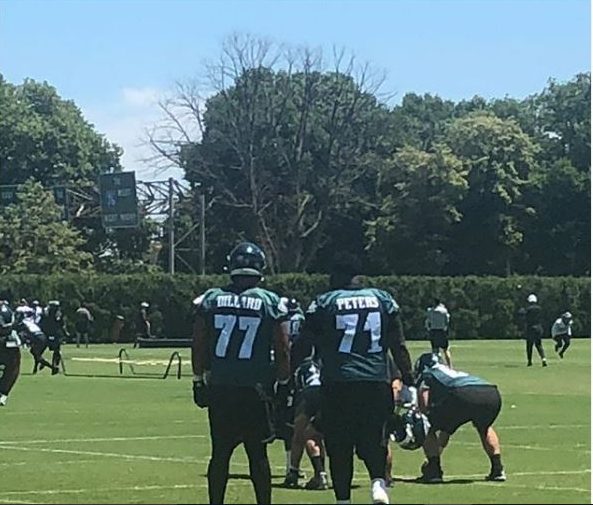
30	463
247	483
502	427
529	447
101	439
100	454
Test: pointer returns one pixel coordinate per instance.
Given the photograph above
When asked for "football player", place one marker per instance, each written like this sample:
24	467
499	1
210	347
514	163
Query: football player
234	331
53	326
561	333
352	328
451	399
533	329
307	401
10	354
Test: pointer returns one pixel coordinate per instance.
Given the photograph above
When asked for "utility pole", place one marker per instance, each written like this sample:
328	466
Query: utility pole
202	233
171	226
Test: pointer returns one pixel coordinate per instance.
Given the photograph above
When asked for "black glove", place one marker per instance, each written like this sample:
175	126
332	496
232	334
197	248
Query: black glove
201	393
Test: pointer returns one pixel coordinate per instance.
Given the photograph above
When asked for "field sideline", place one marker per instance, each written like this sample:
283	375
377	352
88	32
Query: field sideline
111	440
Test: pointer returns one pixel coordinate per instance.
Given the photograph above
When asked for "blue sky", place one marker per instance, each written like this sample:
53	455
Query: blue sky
114	58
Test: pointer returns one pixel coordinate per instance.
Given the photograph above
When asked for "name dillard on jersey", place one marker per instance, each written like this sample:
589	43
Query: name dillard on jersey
357	302
239	302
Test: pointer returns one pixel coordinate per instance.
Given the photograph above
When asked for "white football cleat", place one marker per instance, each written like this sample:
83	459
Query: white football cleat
3	400
379	491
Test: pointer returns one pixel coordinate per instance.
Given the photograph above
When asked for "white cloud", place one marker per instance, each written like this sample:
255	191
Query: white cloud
124	121
140	97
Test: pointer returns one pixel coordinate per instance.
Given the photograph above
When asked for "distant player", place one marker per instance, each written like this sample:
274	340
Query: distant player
33	336
437	325
451	399
561	333
352	329
84	319
533	329
235	329
53	326
10	354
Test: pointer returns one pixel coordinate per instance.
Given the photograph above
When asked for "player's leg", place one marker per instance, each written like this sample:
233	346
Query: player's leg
257	431
431	471
371	441
558	343
11	359
337	413
316	453
56	357
529	350
297	447
446	350
389	466
540	351
487	405
565	346
259	469
224	435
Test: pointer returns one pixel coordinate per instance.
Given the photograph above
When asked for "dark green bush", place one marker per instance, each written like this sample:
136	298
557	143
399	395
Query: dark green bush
481	307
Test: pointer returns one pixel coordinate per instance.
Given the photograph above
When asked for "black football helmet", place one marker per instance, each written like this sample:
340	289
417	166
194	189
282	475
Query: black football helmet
426	360
408	428
246	259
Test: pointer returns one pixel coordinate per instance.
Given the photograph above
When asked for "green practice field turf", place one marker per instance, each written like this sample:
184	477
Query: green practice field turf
73	439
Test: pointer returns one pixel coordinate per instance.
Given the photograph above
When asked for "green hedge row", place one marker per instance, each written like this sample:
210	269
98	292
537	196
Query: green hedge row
481	307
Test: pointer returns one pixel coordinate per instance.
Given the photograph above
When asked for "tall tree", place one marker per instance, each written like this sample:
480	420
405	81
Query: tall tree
46	138
284	145
34	239
420	193
499	158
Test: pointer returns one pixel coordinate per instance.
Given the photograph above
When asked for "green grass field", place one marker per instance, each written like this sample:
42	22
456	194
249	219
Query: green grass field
113	440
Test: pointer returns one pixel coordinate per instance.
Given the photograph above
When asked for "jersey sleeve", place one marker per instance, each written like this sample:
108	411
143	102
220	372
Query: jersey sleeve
390	306
203	303
277	308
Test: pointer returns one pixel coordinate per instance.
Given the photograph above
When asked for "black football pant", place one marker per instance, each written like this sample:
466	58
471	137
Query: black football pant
562	343
11	359
239	415
354	416
530	343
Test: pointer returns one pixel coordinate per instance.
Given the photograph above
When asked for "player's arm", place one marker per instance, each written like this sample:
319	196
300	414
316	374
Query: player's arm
397	345
282	350
200	357
423	399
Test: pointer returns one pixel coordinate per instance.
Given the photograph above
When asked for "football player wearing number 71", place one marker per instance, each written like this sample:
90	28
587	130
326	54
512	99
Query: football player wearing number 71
352	328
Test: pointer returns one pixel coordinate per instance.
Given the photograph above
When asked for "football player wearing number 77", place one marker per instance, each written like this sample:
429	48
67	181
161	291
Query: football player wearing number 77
352	329
235	329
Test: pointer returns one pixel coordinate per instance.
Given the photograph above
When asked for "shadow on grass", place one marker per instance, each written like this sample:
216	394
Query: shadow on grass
444	483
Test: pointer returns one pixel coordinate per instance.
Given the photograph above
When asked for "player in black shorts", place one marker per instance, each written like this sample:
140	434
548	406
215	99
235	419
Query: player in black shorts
235	329
451	399
307	405
10	354
353	328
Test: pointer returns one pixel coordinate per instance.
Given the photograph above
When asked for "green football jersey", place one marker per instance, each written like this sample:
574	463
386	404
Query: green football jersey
349	328
445	378
242	325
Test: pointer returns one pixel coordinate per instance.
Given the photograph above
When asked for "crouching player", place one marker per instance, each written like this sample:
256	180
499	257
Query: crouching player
451	399
10	354
305	435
